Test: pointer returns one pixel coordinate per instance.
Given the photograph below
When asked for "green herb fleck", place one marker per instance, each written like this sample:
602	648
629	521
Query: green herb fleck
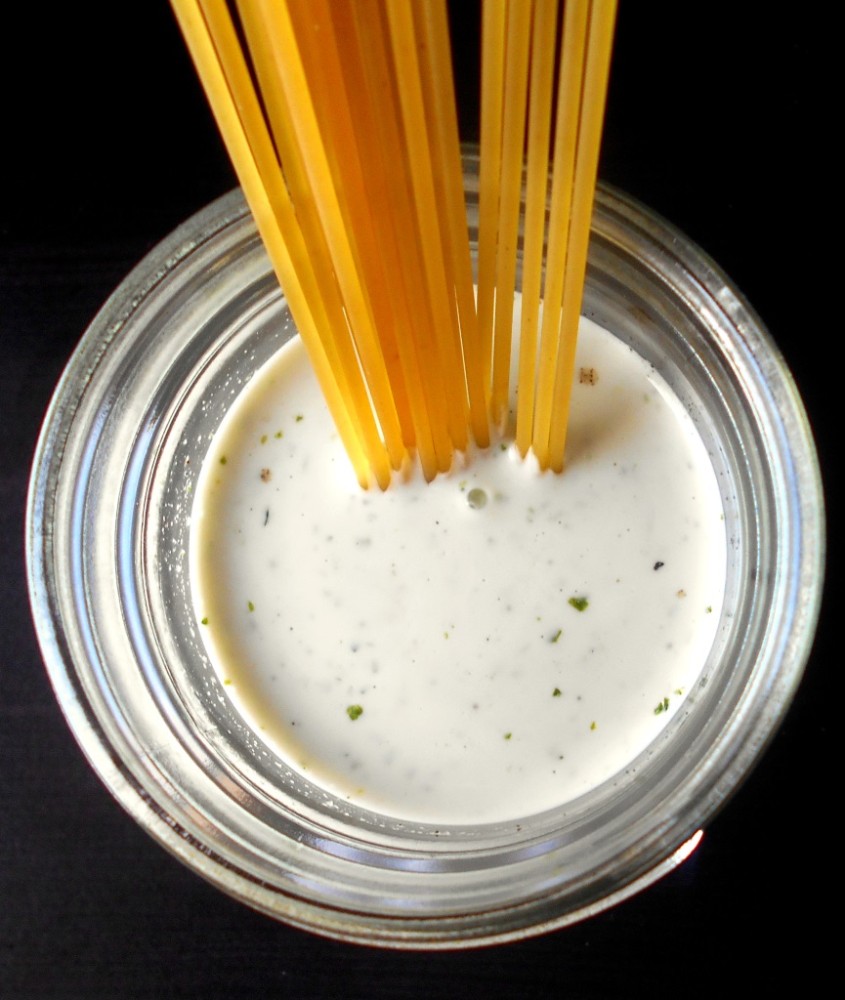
579	603
477	498
709	609
679	691
250	605
508	735
227	680
299	417
661	707
503	446
223	460
354	712
556	693
263	439
204	621
557	635
278	435
593	726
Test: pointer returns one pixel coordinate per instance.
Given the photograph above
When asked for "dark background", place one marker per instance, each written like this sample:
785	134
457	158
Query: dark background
108	146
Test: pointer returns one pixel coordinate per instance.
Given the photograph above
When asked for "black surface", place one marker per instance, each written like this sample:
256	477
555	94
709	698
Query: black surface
709	123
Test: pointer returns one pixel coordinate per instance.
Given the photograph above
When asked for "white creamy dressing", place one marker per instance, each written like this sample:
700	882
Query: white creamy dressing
445	623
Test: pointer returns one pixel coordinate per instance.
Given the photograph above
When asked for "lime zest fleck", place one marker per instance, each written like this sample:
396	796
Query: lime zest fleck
204	621
593	726
354	711
250	605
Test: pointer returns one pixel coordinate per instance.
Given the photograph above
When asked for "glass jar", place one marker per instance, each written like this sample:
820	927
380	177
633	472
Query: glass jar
108	536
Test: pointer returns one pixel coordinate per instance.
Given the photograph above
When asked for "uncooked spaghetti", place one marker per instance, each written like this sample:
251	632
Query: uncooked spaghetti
340	120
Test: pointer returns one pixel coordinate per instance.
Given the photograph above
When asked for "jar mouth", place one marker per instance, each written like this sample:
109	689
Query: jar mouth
107	544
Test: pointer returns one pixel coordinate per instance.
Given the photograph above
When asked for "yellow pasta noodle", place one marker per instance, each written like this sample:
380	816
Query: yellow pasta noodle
340	119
